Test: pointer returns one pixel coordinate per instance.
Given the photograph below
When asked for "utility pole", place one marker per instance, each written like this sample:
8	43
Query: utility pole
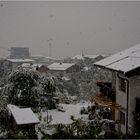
50	49
83	53
50	46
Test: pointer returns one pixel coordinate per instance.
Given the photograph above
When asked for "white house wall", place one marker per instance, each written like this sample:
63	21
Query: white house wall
134	91
121	99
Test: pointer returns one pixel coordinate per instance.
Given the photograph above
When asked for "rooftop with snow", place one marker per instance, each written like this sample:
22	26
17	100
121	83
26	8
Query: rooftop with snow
22	115
124	61
20	60
60	66
41	56
82	56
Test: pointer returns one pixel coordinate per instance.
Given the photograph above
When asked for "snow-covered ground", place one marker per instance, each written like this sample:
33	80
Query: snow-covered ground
59	117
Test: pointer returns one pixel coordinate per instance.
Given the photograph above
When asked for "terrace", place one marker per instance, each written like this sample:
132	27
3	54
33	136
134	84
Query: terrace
107	98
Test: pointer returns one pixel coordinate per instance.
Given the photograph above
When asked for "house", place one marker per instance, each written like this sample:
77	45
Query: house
22	118
82	57
120	95
63	68
44	60
12	64
18	53
43	69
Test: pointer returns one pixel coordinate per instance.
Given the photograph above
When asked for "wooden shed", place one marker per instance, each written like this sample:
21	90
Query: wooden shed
22	118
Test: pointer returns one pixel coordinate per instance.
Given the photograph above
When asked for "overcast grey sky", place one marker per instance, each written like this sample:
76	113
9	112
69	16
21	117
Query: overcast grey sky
70	27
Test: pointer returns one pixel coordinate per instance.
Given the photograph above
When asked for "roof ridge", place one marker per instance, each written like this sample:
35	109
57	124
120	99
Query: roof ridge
117	60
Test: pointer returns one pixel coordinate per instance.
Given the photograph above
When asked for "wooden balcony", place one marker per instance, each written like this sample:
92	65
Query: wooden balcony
106	96
104	101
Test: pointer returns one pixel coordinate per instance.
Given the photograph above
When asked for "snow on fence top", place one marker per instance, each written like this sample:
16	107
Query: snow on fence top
60	66
22	115
20	60
124	61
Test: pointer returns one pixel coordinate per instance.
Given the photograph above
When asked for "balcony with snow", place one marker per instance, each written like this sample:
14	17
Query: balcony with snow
106	97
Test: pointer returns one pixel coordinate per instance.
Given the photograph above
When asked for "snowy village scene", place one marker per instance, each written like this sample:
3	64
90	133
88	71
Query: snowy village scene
69	69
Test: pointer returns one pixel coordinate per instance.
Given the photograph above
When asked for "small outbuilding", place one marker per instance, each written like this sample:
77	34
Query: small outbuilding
22	118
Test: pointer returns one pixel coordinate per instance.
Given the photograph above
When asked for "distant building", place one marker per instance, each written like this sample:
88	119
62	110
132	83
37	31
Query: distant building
63	68
12	64
44	60
85	57
121	95
43	69
19	53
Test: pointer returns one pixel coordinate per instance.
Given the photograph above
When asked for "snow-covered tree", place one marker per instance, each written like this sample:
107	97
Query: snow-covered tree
47	84
26	86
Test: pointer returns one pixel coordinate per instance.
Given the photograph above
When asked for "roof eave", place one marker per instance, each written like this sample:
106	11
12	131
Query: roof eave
27	123
109	68
133	72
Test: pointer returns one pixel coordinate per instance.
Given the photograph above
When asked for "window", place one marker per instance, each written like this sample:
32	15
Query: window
122	84
122	117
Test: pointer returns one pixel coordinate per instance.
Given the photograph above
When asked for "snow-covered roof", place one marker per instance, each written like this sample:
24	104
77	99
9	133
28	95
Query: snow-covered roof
47	57
91	56
81	57
26	65
60	66
37	65
20	60
22	115
37	56
124	61
52	58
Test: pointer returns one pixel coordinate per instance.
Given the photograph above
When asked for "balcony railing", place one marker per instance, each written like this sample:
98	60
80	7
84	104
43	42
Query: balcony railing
107	98
104	101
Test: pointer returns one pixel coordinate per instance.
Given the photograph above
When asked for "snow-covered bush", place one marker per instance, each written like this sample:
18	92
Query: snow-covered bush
78	129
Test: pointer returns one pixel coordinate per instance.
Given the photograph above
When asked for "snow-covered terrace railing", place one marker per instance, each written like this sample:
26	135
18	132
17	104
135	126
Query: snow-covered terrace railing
103	101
